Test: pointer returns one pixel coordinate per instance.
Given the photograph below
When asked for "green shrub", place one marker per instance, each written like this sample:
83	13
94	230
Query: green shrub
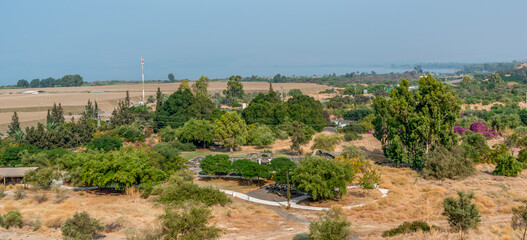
168	150
2	192
442	163
168	134
461	213
474	144
508	166
351	136
80	227
326	142
11	219
353	151
189	223
502	121
522	156
40	178
187	191
37	225
130	133
408	227
106	143
370	179
333	224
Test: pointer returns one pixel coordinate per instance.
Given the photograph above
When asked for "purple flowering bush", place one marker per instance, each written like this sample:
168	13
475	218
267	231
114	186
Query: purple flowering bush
479	127
459	130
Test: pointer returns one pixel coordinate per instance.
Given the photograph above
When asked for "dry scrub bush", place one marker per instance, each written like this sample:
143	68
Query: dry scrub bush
333	224
61	194
20	193
40	197
132	192
443	163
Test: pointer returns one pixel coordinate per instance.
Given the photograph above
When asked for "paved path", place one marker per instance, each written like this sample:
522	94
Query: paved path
294	201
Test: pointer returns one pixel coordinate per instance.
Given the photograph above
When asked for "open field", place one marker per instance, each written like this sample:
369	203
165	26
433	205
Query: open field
32	107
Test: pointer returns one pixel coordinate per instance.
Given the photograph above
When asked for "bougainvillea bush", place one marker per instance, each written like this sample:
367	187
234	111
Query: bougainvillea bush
459	130
479	127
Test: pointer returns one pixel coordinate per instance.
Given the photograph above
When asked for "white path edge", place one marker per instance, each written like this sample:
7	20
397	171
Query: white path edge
294	201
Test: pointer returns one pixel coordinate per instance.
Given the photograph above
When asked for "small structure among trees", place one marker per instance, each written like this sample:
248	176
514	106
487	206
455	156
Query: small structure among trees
14	175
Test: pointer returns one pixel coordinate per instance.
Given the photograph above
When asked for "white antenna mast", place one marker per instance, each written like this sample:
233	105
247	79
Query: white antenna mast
143	77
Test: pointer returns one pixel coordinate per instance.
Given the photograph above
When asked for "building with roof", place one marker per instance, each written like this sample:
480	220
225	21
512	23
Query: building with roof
14	175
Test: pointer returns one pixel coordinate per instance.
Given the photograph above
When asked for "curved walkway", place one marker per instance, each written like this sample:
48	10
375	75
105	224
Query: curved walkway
294	201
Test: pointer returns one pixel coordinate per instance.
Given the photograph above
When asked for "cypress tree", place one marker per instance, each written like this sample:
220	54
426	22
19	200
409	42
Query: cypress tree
14	126
159	100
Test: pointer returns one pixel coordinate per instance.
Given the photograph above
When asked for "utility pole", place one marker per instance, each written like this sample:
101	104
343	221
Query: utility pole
143	77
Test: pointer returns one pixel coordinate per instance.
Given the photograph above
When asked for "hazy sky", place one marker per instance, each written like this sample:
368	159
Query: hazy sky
104	40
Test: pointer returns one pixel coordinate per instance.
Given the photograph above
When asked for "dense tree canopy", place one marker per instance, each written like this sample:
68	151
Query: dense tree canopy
231	130
410	124
307	110
265	108
198	132
322	178
181	106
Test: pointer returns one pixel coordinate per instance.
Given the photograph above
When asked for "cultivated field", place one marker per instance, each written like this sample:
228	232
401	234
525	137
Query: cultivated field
33	107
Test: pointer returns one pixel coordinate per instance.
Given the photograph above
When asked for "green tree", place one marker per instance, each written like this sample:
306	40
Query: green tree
260	135
231	130
123	114
81	227
461	213
495	81
466	80
410	124
249	169
216	164
159	99
307	110
171	77
234	90
265	109
282	168
298	136
22	83
294	92
14	126
188	224
332	225
199	88
181	106
106	143
184	85
35	83
198	132
57	114
322	178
